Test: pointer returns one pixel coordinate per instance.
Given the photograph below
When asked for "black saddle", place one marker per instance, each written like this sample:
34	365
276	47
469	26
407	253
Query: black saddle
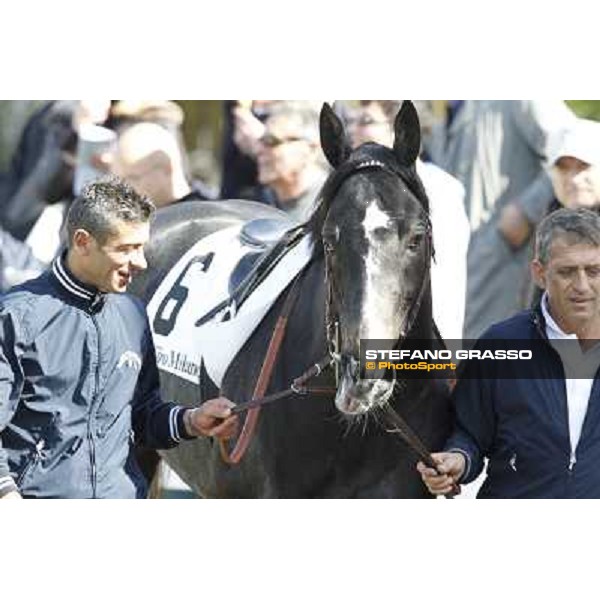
268	241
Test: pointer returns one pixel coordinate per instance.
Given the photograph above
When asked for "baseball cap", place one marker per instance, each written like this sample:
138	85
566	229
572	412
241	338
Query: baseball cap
581	140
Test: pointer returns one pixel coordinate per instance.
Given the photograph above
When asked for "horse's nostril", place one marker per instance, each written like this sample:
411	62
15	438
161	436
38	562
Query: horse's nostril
351	365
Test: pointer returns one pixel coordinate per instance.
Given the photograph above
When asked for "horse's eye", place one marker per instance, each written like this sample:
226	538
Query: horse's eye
414	243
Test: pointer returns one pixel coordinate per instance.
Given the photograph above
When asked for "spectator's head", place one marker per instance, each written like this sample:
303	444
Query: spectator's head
289	154
249	117
167	114
567	266
372	121
149	159
575	165
107	228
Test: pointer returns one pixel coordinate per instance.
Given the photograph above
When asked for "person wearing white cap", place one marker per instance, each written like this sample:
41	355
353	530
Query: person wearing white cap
575	165
498	150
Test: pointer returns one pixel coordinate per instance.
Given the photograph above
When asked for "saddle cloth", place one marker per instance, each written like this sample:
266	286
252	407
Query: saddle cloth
202	280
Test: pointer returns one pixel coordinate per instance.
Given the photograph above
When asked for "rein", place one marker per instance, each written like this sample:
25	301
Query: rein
298	386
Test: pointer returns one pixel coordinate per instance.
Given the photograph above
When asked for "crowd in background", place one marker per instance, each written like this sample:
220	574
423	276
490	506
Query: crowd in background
492	169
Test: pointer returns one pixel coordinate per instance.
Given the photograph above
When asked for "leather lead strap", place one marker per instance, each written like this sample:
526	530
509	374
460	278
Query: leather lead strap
243	441
413	441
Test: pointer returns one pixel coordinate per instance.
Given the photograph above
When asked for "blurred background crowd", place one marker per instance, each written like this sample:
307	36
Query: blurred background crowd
492	169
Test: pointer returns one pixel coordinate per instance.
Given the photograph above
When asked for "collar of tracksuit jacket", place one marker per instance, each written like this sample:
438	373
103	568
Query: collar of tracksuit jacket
81	294
539	321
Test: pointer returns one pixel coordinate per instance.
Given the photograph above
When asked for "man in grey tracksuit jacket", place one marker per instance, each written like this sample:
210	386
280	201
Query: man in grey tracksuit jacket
78	378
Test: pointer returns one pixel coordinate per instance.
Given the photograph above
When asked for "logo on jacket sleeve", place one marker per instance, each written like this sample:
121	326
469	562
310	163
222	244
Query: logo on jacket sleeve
130	359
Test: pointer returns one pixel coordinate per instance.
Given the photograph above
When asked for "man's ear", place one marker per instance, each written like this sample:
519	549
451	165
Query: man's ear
82	242
538	272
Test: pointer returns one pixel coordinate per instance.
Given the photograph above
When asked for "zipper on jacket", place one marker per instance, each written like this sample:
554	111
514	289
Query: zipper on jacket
537	320
94	398
33	461
92	458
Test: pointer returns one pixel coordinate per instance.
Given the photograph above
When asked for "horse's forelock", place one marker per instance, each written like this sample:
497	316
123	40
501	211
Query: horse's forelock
369	156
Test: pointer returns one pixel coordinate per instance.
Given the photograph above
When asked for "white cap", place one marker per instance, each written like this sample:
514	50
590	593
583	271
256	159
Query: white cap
581	141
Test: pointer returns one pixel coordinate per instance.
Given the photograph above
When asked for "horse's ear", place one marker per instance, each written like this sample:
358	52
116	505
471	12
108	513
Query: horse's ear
333	137
407	131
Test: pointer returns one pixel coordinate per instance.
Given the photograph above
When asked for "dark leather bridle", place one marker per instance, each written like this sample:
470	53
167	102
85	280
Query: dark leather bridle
331	313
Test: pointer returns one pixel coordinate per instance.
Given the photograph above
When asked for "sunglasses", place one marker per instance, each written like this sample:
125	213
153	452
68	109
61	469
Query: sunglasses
364	121
272	141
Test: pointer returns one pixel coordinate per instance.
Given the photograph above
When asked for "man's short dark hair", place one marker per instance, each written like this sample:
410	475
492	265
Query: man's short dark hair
576	225
102	204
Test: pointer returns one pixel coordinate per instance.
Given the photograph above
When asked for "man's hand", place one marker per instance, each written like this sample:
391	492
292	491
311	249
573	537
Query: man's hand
451	465
12	496
213	418
247	130
514	226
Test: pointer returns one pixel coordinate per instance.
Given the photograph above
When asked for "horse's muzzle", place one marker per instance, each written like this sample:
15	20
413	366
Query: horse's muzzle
357	396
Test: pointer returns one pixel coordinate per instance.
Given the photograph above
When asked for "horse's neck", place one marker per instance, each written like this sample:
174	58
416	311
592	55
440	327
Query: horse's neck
309	309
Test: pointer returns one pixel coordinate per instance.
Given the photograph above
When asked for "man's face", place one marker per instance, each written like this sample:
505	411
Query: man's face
283	151
368	123
572	279
576	183
110	265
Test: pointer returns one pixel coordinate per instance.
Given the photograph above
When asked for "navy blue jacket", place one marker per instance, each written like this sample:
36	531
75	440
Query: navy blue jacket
521	424
78	383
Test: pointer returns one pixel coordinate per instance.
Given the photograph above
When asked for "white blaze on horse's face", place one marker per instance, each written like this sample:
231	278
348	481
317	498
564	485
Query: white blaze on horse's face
380	307
379	315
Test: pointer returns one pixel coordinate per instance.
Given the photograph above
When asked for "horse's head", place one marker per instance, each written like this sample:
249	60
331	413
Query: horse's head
374	224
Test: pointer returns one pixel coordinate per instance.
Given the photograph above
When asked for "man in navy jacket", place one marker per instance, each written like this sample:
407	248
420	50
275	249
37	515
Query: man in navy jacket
78	377
541	429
